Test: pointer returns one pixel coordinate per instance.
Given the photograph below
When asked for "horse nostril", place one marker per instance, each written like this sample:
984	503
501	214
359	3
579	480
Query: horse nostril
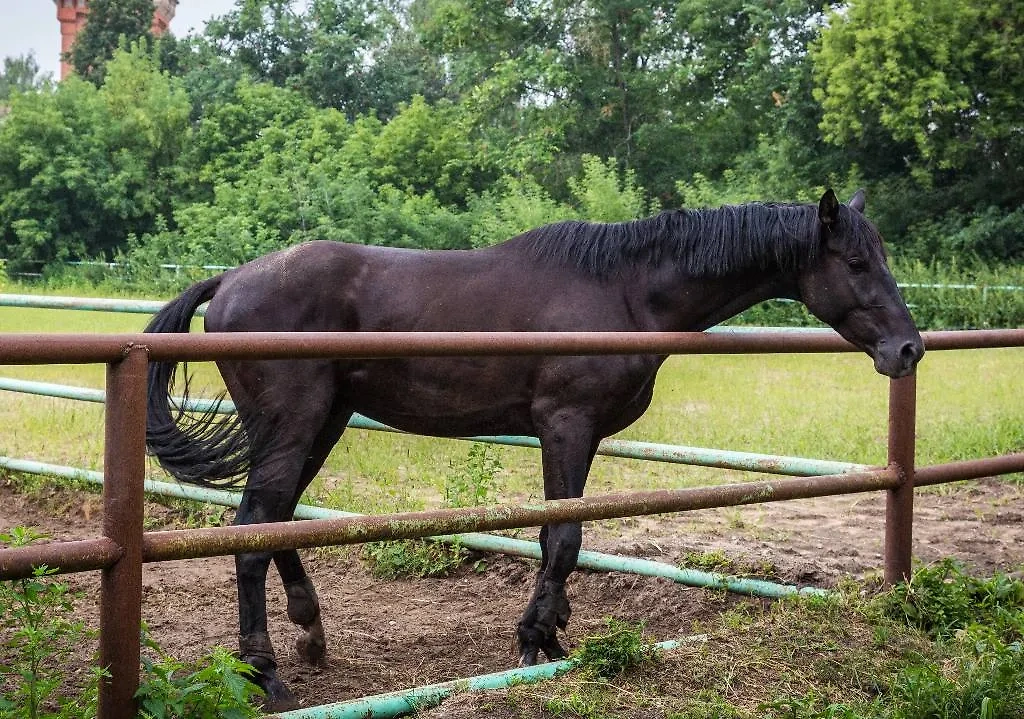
910	353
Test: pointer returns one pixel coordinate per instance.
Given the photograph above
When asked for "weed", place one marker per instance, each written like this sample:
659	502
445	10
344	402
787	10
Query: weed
39	642
605	656
584	702
985	681
473	482
40	639
214	687
941	599
715	561
413	558
810	706
187	514
707	705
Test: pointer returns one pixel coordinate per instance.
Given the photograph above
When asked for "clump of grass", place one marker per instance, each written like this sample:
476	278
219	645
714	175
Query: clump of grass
713	561
405	558
620	647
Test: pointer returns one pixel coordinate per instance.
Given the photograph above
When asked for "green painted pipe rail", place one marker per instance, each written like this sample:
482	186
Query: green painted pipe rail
408	701
627	449
480	542
93	304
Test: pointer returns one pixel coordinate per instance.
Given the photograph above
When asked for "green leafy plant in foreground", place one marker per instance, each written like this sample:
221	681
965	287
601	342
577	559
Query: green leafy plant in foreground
942	599
38	644
38	641
214	687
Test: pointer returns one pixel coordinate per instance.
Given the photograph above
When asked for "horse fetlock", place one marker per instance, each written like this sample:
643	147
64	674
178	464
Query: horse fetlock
553	605
303	604
256	650
311	646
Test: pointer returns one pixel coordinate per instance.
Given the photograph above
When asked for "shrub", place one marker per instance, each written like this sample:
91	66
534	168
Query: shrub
472	483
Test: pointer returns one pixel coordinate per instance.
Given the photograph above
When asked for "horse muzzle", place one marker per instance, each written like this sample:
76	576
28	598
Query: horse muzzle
895	359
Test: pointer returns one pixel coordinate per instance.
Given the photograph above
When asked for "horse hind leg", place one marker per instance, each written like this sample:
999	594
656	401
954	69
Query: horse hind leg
255	647
303	603
276	479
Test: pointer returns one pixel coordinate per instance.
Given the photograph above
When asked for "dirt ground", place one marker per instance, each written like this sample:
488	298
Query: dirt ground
388	635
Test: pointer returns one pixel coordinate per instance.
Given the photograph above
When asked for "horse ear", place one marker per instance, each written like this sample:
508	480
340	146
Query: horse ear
828	208
858	200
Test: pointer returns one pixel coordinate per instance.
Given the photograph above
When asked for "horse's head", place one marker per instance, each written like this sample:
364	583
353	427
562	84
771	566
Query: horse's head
849	286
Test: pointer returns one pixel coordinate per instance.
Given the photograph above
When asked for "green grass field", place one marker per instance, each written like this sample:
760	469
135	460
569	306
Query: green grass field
820	406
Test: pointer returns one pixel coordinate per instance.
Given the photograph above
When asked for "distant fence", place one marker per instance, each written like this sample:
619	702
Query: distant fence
178	268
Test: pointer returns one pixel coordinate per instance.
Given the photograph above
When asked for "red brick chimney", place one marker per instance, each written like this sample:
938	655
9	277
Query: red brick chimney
72	14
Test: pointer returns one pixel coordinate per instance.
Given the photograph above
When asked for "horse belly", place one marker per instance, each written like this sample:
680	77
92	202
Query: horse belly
444	397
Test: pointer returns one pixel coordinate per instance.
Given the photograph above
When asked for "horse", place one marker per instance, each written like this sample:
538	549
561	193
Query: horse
680	270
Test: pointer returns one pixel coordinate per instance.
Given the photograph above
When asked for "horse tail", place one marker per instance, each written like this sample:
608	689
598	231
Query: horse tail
194	445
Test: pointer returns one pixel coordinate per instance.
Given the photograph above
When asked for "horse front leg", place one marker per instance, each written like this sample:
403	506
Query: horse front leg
567	453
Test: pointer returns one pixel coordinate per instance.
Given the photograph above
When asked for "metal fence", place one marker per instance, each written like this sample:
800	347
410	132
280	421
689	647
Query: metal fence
120	553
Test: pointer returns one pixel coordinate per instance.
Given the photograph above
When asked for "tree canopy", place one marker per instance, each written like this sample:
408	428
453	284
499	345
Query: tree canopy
453	123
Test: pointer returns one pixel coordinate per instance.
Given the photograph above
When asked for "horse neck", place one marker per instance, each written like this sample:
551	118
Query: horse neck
675	302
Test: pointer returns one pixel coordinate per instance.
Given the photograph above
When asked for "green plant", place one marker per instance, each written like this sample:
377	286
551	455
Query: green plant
714	561
810	706
983	679
942	599
214	687
413	558
472	483
605	656
38	639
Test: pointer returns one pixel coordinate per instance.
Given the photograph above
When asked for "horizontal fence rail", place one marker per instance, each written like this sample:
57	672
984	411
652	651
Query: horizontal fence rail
91	348
120	553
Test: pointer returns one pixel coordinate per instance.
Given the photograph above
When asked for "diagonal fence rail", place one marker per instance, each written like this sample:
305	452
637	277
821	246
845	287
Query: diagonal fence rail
120	553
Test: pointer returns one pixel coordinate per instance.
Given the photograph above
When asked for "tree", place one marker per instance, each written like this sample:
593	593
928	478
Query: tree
81	168
20	74
111	24
352	55
945	76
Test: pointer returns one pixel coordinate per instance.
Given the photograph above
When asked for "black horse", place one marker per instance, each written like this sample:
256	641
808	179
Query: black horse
682	270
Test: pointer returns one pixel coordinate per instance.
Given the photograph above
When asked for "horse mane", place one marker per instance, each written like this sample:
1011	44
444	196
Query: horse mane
702	242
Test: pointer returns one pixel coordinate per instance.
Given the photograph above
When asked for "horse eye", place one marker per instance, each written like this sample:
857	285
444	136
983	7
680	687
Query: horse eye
857	265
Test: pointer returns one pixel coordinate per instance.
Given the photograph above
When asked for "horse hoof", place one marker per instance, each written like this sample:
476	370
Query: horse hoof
311	649
528	658
277	697
554	651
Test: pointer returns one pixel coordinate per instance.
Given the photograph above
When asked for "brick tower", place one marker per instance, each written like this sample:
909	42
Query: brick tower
72	14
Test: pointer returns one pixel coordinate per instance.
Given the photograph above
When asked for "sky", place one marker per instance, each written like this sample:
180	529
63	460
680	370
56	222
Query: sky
31	25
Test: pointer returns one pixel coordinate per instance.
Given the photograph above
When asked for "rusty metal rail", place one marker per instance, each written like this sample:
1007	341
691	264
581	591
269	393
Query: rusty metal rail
84	348
122	551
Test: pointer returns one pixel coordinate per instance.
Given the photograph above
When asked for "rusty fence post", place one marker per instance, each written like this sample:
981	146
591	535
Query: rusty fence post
899	505
124	467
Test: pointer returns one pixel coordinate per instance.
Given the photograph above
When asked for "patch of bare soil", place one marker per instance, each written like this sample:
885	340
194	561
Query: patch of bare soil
388	635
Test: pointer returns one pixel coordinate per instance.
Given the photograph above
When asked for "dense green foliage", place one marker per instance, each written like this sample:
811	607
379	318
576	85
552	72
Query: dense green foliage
457	123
